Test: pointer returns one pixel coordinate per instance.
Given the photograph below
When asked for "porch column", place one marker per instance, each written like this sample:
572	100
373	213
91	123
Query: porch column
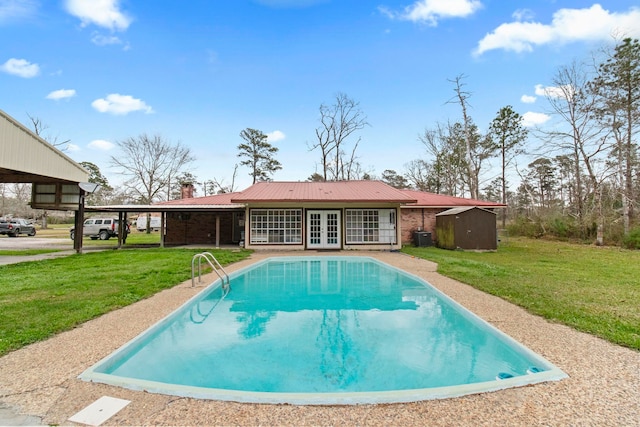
162	222
217	231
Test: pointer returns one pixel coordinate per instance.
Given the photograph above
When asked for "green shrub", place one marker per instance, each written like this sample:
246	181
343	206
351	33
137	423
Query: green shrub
632	240
559	227
525	227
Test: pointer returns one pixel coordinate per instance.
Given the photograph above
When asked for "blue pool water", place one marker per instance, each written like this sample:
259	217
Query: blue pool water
322	330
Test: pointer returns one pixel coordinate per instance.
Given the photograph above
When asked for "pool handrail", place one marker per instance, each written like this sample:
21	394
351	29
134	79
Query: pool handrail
215	266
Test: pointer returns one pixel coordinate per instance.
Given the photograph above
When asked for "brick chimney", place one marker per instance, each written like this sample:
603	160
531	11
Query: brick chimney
186	190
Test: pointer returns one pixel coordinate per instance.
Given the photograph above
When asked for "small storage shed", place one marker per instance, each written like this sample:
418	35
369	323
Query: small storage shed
468	227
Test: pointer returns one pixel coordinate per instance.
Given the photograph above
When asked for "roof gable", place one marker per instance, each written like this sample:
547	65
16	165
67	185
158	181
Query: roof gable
328	191
25	157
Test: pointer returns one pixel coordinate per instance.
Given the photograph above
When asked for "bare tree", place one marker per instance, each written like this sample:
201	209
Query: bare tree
39	128
583	137
218	186
448	174
149	163
461	98
419	175
337	123
617	87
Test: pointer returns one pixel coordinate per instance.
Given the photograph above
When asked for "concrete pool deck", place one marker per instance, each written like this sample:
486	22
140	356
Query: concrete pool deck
39	383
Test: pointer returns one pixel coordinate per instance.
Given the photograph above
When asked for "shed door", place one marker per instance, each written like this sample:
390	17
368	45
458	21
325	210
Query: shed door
323	229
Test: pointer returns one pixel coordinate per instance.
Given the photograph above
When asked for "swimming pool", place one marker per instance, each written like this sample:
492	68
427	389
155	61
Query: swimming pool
322	330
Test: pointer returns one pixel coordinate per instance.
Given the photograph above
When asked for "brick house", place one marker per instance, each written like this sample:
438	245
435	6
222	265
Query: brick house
308	215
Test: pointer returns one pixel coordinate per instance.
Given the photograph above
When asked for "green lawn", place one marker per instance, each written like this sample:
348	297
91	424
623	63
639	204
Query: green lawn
26	252
596	290
593	289
41	298
61	231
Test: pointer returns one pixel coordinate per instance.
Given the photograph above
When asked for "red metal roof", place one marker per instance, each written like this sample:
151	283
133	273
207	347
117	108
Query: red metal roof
330	191
425	199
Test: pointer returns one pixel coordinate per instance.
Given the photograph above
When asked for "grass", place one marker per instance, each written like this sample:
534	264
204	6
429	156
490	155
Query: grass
61	231
26	252
592	289
42	298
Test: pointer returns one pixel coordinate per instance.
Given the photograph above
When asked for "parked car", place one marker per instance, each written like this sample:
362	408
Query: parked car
16	226
101	228
141	223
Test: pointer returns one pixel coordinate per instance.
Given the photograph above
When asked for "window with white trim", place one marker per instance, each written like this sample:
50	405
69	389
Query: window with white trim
370	226
280	226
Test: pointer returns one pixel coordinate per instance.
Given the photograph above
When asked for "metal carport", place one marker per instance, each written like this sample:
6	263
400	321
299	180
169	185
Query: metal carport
163	209
27	158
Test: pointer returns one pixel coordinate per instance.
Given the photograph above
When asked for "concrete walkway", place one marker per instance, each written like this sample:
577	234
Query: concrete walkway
9	416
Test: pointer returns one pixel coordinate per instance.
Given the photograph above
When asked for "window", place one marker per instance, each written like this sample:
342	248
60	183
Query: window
370	225
276	226
45	193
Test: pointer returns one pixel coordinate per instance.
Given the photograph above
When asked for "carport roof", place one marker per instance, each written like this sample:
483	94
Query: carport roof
163	208
25	157
213	202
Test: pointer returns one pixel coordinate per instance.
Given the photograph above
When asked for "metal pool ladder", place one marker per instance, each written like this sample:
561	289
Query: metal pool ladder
215	266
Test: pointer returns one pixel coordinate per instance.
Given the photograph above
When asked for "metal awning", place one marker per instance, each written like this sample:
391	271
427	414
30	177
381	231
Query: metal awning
25	157
165	208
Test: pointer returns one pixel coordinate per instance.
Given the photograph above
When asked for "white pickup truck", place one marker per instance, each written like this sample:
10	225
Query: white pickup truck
100	228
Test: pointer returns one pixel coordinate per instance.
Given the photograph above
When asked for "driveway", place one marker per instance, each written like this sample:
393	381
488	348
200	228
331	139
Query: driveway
23	242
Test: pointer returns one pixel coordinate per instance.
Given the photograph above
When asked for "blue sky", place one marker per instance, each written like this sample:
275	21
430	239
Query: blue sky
200	71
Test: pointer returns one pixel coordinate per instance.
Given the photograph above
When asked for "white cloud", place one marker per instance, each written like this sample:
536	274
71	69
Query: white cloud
61	94
103	13
276	135
20	68
101	145
102	40
567	25
431	11
72	147
120	104
12	10
530	119
528	99
554	91
522	15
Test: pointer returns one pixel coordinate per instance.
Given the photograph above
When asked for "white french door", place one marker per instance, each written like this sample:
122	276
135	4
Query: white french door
323	230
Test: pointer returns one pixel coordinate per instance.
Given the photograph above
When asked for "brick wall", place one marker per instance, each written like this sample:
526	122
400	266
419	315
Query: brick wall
423	219
198	229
